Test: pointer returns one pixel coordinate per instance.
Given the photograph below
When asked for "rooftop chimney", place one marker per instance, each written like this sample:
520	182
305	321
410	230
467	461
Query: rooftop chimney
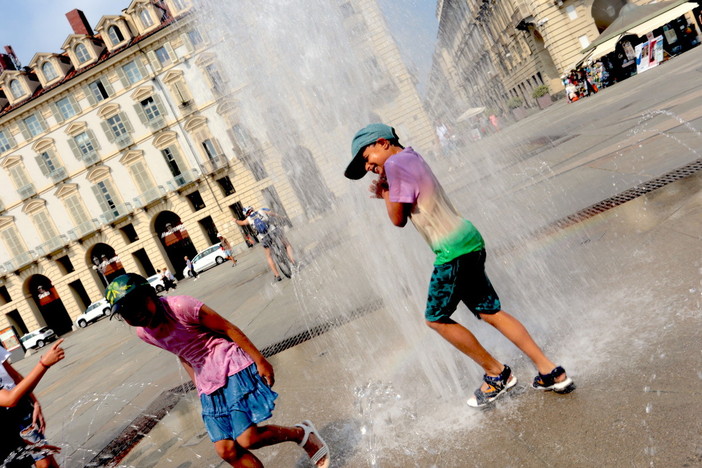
14	63
79	23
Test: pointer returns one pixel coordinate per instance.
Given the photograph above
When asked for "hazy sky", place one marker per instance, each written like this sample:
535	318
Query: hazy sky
32	26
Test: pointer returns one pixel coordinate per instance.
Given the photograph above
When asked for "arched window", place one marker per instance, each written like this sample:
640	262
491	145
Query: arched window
115	35
16	89
82	53
49	71
145	18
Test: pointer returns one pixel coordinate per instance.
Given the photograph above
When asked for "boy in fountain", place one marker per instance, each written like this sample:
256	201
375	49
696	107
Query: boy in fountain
232	377
411	192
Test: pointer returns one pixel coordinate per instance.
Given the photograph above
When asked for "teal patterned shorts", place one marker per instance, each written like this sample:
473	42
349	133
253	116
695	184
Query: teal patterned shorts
461	279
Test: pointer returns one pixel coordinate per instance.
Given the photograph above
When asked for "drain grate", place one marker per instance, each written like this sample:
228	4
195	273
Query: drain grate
627	195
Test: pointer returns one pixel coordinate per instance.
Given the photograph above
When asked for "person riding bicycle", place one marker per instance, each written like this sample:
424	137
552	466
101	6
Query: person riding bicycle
268	232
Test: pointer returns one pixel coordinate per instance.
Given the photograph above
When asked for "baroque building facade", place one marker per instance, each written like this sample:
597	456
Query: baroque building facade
127	152
489	51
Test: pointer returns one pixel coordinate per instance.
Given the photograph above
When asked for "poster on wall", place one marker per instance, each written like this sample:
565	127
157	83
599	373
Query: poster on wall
641	57
9	339
649	54
658	50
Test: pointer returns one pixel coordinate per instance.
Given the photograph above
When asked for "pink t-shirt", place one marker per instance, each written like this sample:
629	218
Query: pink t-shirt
212	357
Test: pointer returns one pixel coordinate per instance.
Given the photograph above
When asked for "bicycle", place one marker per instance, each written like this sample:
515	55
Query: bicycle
279	254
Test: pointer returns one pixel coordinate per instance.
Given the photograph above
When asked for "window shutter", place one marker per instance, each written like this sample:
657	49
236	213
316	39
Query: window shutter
171	52
74	147
217	147
57	112
24	130
100	198
93	139
141	177
127	123
123	77
108	86
159	103
187	43
140	66
179	159
74	103
154	61
42	165
108	131
142	115
89	94
42	122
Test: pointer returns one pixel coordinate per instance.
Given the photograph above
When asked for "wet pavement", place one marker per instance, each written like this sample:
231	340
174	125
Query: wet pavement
615	296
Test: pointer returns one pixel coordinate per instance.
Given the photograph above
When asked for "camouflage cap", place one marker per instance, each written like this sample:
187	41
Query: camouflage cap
123	285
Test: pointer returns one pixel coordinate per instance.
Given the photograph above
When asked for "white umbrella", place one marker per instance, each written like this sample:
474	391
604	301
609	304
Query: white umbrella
472	112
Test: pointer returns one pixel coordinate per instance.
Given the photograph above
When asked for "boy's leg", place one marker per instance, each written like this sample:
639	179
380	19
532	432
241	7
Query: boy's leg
464	340
234	454
517	333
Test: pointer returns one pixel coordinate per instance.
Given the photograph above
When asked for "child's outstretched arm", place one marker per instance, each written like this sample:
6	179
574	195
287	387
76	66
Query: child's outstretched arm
10	398
215	322
37	415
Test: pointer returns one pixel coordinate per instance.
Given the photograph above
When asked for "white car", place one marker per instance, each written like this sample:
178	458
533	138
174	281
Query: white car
156	282
93	313
211	256
38	338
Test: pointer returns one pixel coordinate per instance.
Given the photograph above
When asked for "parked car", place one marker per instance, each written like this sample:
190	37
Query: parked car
156	282
93	313
38	338
211	256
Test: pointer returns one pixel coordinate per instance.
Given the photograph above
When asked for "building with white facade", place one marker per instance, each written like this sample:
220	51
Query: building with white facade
126	152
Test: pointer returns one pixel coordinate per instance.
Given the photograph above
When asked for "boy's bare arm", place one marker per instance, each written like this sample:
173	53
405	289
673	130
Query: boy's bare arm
241	222
397	212
215	322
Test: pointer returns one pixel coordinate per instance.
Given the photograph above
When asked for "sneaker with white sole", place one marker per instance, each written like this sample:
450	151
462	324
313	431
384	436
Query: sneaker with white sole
496	387
547	382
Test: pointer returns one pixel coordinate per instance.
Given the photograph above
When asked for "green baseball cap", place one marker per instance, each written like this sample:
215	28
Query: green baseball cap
364	137
123	285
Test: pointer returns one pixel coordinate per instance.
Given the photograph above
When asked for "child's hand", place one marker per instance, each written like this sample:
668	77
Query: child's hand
53	355
378	187
265	370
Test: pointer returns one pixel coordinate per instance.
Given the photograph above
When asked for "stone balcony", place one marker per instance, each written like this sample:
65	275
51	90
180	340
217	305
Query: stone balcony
150	197
117	213
52	245
215	164
21	260
83	230
184	179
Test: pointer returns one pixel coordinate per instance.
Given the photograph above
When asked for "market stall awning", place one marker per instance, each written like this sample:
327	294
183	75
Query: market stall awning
639	20
663	19
472	112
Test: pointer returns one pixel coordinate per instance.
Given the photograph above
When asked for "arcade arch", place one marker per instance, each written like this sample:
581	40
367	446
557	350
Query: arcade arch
104	263
46	304
175	242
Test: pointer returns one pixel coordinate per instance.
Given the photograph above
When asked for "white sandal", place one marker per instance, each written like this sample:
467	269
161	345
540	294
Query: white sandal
323	451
